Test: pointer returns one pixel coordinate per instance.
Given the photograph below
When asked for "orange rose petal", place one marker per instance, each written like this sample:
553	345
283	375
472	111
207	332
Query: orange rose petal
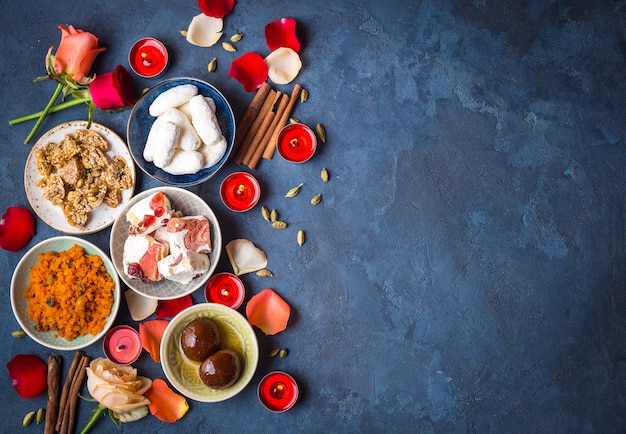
165	404
268	311
150	334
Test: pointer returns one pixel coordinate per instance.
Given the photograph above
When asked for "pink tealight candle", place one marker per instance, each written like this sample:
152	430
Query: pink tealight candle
148	58
226	289
278	391
122	345
240	191
296	143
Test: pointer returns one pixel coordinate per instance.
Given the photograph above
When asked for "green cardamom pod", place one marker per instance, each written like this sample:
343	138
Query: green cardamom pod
300	237
213	65
316	199
294	191
265	212
304	95
321	132
228	46
28	419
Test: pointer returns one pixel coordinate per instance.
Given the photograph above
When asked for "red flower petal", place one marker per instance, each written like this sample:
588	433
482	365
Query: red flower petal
113	90
170	308
282	33
165	404
17	227
151	334
216	8
268	311
28	374
250	70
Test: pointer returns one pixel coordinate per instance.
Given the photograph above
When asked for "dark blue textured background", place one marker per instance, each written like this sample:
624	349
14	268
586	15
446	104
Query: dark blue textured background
465	271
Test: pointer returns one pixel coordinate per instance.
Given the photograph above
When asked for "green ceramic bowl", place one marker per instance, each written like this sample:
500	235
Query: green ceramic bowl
21	280
237	335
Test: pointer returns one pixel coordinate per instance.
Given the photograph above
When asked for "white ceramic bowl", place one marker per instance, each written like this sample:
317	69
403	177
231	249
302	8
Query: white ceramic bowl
237	335
189	204
21	280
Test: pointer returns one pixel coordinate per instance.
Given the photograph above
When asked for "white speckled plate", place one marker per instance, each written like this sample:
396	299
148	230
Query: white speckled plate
189	204
237	335
21	280
52	215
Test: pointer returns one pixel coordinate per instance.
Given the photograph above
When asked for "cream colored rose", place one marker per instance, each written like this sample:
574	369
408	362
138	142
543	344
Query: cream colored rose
117	387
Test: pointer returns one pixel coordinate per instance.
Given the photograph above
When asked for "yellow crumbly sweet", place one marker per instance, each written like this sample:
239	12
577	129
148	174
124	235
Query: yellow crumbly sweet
78	176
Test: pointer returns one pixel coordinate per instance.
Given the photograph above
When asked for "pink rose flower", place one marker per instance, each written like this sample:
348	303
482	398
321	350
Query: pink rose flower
113	90
75	55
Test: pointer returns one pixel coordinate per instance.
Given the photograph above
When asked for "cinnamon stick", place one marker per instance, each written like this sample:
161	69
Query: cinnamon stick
257	140
66	389
250	114
247	140
271	146
69	418
260	147
54	389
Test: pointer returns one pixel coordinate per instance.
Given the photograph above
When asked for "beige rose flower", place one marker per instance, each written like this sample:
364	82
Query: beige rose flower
117	387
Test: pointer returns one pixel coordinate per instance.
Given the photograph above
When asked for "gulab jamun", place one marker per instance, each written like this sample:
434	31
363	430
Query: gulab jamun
200	338
221	369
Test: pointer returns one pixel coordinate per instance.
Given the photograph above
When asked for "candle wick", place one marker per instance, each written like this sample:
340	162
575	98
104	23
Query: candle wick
241	188
145	60
293	142
120	348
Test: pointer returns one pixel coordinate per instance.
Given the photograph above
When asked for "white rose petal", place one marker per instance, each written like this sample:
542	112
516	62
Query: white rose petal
283	65
204	31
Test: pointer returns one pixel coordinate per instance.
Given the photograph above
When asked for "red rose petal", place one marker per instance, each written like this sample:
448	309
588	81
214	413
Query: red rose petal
28	374
250	70
282	33
268	311
17	227
216	8
170	308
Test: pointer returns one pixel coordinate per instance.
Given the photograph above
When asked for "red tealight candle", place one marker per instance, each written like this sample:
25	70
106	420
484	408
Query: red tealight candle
148	58
122	345
240	191
226	289
296	143
278	391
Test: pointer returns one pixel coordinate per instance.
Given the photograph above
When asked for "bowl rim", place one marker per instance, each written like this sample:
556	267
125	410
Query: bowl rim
224	159
41	247
251	363
191	287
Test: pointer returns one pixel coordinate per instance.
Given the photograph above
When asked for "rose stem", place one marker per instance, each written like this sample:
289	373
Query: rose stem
57	108
43	114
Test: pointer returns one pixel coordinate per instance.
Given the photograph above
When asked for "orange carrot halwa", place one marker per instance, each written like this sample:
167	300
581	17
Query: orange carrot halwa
70	292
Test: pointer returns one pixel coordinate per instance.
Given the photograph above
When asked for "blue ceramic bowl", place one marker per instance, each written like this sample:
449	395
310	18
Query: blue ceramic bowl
140	122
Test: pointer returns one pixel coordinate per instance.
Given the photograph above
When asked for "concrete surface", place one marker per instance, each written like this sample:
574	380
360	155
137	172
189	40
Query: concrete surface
465	271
